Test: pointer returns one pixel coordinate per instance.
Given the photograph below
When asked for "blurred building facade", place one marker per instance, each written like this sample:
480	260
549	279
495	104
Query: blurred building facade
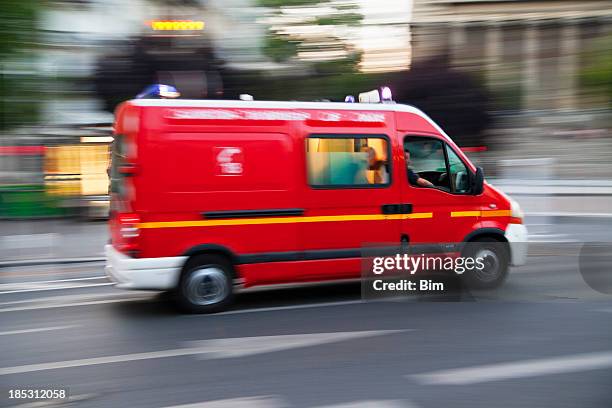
529	52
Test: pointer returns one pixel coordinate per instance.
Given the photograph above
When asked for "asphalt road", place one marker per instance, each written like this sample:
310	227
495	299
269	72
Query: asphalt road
542	340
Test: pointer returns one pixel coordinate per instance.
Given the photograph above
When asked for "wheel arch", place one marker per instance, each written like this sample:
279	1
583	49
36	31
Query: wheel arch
494	233
212	249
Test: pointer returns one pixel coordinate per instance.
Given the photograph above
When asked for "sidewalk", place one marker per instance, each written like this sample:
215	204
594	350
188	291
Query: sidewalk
569	187
66	240
560	198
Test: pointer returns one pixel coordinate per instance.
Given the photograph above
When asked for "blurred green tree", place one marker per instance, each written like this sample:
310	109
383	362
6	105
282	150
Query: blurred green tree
596	76
291	33
18	30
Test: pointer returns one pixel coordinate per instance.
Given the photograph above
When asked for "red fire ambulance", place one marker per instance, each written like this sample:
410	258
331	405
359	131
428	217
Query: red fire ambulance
207	195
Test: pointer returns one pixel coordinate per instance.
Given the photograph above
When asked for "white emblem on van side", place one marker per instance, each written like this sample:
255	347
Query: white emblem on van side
230	161
370	117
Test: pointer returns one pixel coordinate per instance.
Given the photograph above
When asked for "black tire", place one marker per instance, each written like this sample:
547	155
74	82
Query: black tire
206	284
497	262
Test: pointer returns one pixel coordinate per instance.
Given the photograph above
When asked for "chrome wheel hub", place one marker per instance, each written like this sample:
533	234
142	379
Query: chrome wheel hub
207	286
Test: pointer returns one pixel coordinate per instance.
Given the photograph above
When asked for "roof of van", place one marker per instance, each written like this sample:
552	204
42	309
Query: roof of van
225	103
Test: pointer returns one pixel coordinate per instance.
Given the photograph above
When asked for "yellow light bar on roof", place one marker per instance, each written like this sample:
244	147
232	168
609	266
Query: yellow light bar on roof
177	25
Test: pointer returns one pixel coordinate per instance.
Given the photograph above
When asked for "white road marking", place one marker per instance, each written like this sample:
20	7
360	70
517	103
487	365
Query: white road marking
270	401
140	298
518	369
56	402
97	361
290	307
36	330
57	280
210	349
60	305
372	404
69	298
569	214
550	238
34	287
246	346
266	401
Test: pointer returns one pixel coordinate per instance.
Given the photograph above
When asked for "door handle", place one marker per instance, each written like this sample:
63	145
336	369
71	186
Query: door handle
396	208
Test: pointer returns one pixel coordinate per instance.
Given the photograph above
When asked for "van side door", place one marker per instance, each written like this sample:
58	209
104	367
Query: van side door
446	211
351	199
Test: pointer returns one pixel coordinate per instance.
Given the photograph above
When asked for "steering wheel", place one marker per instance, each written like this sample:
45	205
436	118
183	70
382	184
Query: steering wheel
443	177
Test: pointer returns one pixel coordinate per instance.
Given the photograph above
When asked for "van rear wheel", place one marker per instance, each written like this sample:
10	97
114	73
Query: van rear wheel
495	257
206	285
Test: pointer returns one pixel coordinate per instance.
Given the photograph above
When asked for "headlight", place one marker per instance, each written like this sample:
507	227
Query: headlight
517	214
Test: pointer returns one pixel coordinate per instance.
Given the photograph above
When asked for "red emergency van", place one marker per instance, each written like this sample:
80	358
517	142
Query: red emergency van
207	195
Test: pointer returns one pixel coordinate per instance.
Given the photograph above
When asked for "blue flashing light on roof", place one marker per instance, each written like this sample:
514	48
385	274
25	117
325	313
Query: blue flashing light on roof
158	91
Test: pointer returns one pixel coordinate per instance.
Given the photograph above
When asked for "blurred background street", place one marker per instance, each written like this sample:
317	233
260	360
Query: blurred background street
524	87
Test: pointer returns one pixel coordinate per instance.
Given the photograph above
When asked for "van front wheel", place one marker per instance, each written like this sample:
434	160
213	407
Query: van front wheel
494	257
205	285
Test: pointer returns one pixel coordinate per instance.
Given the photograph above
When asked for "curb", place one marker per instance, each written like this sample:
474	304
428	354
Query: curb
569	214
569	217
36	262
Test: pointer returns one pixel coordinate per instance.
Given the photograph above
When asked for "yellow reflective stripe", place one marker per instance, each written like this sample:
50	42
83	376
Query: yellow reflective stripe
465	214
497	213
484	213
282	220
322	218
418	215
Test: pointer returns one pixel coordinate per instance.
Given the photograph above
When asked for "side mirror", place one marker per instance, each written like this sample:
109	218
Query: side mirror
478	181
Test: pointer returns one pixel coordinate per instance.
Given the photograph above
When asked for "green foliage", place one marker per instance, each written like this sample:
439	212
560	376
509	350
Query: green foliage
18	26
341	66
18	96
350	19
596	76
330	87
19	101
279	47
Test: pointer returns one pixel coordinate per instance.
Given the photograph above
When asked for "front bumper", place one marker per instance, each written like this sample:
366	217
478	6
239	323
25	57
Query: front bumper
516	234
145	273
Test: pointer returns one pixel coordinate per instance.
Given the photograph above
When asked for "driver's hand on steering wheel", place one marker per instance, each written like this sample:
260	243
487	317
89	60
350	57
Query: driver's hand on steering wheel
424	183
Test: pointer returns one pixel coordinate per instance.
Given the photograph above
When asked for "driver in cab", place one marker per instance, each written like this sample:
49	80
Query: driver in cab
413	177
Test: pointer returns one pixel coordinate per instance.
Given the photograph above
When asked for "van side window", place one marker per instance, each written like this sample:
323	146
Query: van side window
459	178
339	161
425	159
434	161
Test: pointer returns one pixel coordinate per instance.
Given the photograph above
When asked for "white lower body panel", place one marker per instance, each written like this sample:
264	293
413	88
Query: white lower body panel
145	273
